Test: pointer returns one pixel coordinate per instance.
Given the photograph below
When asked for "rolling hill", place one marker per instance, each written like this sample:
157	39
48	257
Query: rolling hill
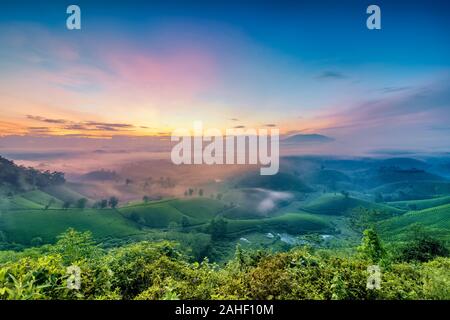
415	189
159	214
249	203
338	204
22	226
404	163
293	223
328	177
435	220
420	204
279	182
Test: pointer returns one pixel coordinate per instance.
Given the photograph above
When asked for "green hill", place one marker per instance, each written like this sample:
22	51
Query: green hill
160	214
37	199
20	202
293	223
338	204
156	214
21	226
420	204
42	199
64	193
200	209
28	200
436	220
376	177
328	177
279	182
404	163
416	189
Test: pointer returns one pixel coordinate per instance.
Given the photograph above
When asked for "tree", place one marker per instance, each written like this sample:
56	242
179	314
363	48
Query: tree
66	205
191	192
74	245
200	192
103	203
146	199
113	202
371	246
422	247
81	203
218	228
219	196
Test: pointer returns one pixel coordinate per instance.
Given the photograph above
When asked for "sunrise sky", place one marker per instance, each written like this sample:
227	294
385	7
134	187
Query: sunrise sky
139	69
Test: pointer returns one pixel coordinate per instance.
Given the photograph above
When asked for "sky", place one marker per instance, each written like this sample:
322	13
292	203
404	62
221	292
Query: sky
147	68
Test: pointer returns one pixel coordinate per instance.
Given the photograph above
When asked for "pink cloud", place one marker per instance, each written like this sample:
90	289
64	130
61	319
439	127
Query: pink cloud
183	69
184	72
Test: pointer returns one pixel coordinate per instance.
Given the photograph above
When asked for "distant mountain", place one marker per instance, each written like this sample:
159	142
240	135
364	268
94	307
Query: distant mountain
327	177
279	182
404	163
306	139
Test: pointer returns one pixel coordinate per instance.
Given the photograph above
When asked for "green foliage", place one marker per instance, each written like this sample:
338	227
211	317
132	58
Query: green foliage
42	274
363	218
217	228
436	284
135	267
22	226
75	246
436	220
158	270
422	247
371	247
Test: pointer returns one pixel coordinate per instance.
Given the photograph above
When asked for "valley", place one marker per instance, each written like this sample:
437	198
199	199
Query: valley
320	202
